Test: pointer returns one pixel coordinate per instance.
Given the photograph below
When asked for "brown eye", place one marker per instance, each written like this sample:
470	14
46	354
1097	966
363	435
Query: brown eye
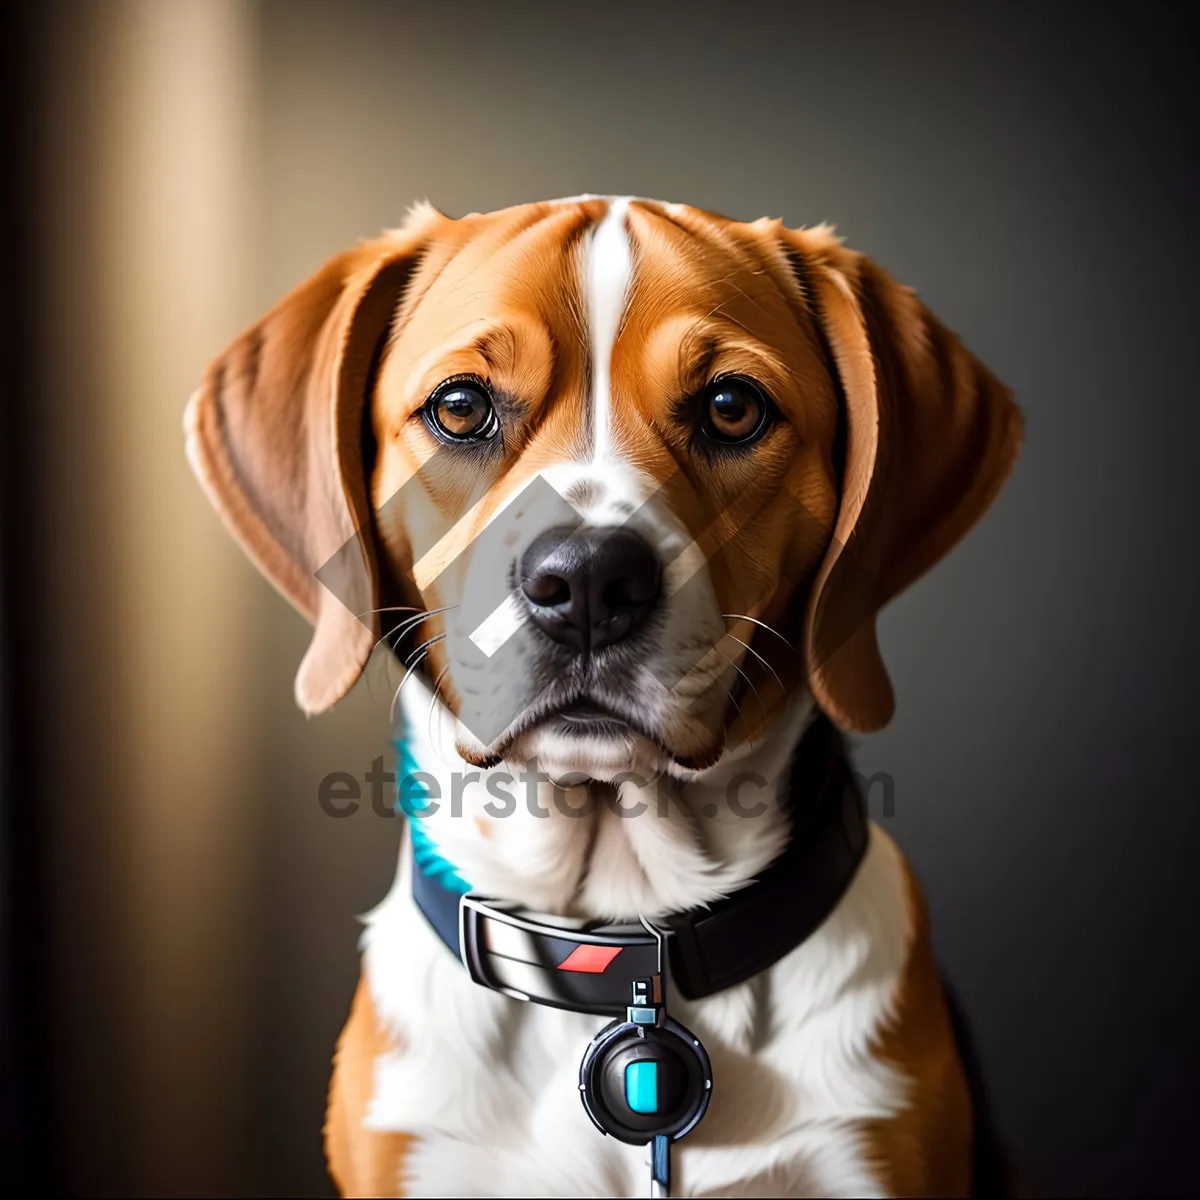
462	411
735	410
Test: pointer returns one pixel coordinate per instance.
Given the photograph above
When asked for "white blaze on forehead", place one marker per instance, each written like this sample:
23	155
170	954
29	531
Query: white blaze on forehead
608	271
608	274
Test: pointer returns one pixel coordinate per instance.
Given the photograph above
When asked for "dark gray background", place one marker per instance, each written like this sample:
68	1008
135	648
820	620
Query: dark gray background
1031	171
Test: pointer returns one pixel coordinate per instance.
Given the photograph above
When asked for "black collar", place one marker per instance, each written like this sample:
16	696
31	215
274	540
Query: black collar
589	967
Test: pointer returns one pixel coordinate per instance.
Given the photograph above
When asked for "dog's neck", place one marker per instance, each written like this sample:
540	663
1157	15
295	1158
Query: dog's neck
647	844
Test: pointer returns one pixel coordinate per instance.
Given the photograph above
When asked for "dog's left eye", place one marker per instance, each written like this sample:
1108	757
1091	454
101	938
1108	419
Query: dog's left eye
735	410
462	410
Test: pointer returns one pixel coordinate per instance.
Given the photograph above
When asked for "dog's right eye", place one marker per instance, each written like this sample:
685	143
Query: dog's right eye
462	410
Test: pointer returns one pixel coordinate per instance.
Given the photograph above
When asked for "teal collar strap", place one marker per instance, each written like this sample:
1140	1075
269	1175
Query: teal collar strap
413	800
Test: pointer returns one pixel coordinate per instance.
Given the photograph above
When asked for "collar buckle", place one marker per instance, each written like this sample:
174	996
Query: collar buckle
584	968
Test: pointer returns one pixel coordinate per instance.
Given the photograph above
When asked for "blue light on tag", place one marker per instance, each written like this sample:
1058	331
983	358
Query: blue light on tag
641	1086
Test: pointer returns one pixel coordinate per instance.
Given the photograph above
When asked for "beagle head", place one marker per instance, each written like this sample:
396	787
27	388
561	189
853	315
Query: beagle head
618	476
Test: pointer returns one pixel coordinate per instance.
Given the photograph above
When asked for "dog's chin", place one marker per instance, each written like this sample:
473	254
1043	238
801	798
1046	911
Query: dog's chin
606	750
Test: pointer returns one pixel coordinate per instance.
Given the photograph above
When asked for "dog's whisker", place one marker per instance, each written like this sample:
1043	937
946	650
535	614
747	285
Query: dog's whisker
370	612
433	641
738	709
750	682
413	661
399	634
436	743
782	689
760	624
396	697
409	623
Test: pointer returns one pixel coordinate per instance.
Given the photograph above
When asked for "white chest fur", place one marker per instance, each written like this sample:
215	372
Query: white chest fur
489	1084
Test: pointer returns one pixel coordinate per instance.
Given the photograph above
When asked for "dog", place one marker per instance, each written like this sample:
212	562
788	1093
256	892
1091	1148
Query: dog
630	481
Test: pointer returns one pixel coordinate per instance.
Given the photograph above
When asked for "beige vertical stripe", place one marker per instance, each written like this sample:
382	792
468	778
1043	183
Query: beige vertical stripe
149	253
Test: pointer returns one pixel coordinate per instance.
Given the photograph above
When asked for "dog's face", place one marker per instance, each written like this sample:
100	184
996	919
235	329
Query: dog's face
616	453
647	470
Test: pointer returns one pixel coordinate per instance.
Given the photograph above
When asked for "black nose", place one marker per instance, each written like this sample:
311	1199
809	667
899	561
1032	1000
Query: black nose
591	587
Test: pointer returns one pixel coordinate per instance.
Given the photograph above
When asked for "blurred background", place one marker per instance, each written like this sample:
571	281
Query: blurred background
179	916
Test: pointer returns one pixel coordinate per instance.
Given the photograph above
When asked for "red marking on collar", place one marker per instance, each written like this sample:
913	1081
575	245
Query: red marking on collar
591	960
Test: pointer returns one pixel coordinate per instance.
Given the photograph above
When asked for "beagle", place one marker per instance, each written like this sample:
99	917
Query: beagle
625	484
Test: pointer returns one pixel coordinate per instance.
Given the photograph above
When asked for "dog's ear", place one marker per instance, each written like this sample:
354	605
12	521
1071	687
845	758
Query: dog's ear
275	435
930	437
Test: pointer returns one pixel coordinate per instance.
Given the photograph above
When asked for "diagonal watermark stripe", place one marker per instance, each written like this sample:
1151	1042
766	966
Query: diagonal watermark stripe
494	610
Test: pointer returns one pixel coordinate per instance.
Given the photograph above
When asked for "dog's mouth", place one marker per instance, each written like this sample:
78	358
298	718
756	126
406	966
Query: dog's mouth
598	709
587	718
577	716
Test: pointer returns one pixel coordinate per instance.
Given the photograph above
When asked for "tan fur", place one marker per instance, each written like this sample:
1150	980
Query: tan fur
361	1161
931	438
926	1150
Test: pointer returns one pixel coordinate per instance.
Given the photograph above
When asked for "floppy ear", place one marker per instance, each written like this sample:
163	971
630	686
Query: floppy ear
930	438
275	435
